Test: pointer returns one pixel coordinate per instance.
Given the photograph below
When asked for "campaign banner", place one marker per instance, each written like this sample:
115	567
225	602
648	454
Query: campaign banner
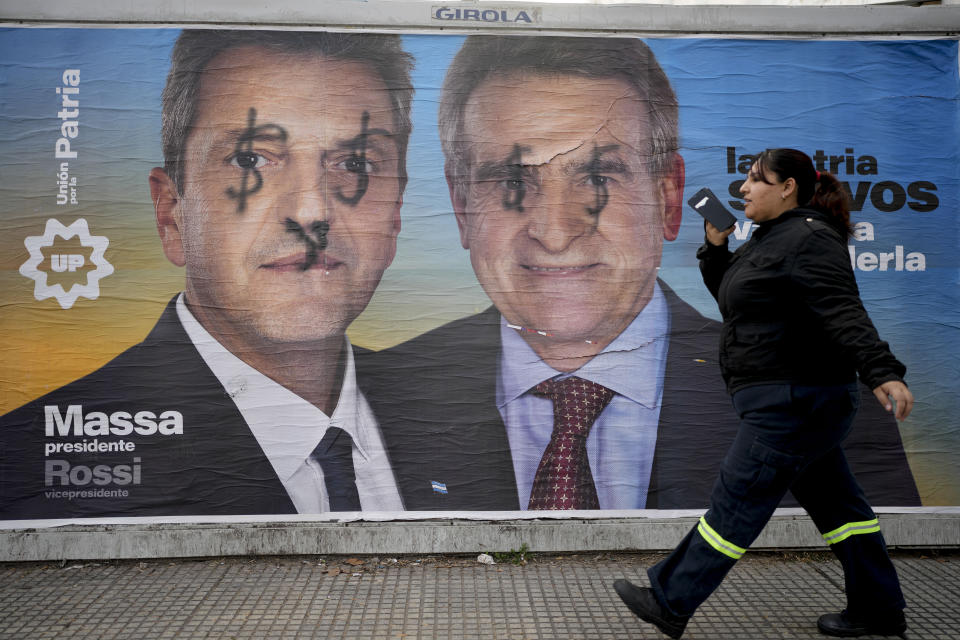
255	272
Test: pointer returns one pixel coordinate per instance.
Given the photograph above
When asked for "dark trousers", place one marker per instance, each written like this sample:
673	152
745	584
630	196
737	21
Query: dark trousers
789	439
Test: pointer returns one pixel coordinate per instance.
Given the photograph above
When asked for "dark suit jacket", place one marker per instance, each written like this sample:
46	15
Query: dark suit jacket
440	421
216	467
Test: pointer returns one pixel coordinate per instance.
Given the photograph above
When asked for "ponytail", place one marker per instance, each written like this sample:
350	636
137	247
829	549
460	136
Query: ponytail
831	198
815	189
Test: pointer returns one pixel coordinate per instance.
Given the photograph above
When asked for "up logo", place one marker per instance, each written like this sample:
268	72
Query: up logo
66	262
61	262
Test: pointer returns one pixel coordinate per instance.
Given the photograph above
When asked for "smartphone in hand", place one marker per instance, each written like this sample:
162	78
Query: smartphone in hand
709	206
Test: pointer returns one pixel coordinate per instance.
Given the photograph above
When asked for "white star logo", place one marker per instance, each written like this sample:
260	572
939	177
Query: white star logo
42	290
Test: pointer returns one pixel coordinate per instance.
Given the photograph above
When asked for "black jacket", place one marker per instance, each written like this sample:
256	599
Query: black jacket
791	308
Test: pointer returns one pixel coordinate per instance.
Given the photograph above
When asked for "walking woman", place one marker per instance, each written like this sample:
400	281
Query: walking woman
795	335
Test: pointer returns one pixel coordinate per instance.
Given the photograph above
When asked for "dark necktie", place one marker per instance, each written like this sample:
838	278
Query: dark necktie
563	479
334	454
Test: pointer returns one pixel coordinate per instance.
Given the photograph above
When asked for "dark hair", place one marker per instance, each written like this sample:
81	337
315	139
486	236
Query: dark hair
818	190
628	59
195	48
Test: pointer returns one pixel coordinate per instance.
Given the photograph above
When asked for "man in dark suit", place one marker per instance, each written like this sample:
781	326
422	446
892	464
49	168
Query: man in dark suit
280	195
562	165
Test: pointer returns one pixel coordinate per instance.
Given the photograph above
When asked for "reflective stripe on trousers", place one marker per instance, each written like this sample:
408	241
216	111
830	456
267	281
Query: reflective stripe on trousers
716	541
843	532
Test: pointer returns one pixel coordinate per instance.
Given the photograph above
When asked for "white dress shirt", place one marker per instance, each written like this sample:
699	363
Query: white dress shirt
288	428
622	441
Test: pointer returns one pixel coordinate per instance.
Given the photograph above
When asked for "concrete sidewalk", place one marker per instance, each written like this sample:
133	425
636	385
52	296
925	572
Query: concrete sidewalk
767	595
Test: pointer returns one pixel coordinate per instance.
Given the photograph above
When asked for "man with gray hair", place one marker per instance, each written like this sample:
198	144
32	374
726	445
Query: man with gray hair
280	195
588	384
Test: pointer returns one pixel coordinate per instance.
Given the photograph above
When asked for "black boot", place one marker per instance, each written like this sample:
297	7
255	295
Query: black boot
845	625
645	606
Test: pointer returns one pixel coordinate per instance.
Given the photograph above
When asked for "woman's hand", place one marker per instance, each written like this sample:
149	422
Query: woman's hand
899	394
715	236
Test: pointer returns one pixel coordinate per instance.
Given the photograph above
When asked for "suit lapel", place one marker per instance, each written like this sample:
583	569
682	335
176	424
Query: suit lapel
435	398
489	473
696	421
218	467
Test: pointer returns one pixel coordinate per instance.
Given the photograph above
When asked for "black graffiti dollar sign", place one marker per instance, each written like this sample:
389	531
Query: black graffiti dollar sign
248	162
358	161
247	159
599	182
517	189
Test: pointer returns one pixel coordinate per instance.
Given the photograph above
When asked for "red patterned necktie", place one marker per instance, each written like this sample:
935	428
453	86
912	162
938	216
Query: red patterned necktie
563	479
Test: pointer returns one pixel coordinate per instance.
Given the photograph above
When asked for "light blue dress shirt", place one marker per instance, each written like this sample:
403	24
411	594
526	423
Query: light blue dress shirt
621	443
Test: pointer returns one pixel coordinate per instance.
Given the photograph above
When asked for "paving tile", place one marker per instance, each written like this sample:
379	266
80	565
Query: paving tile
766	596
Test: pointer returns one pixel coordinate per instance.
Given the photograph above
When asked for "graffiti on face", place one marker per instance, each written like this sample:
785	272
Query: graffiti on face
516	189
596	178
248	160
357	162
314	237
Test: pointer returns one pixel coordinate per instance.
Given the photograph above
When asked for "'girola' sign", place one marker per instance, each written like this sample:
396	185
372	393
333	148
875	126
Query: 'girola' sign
486	14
